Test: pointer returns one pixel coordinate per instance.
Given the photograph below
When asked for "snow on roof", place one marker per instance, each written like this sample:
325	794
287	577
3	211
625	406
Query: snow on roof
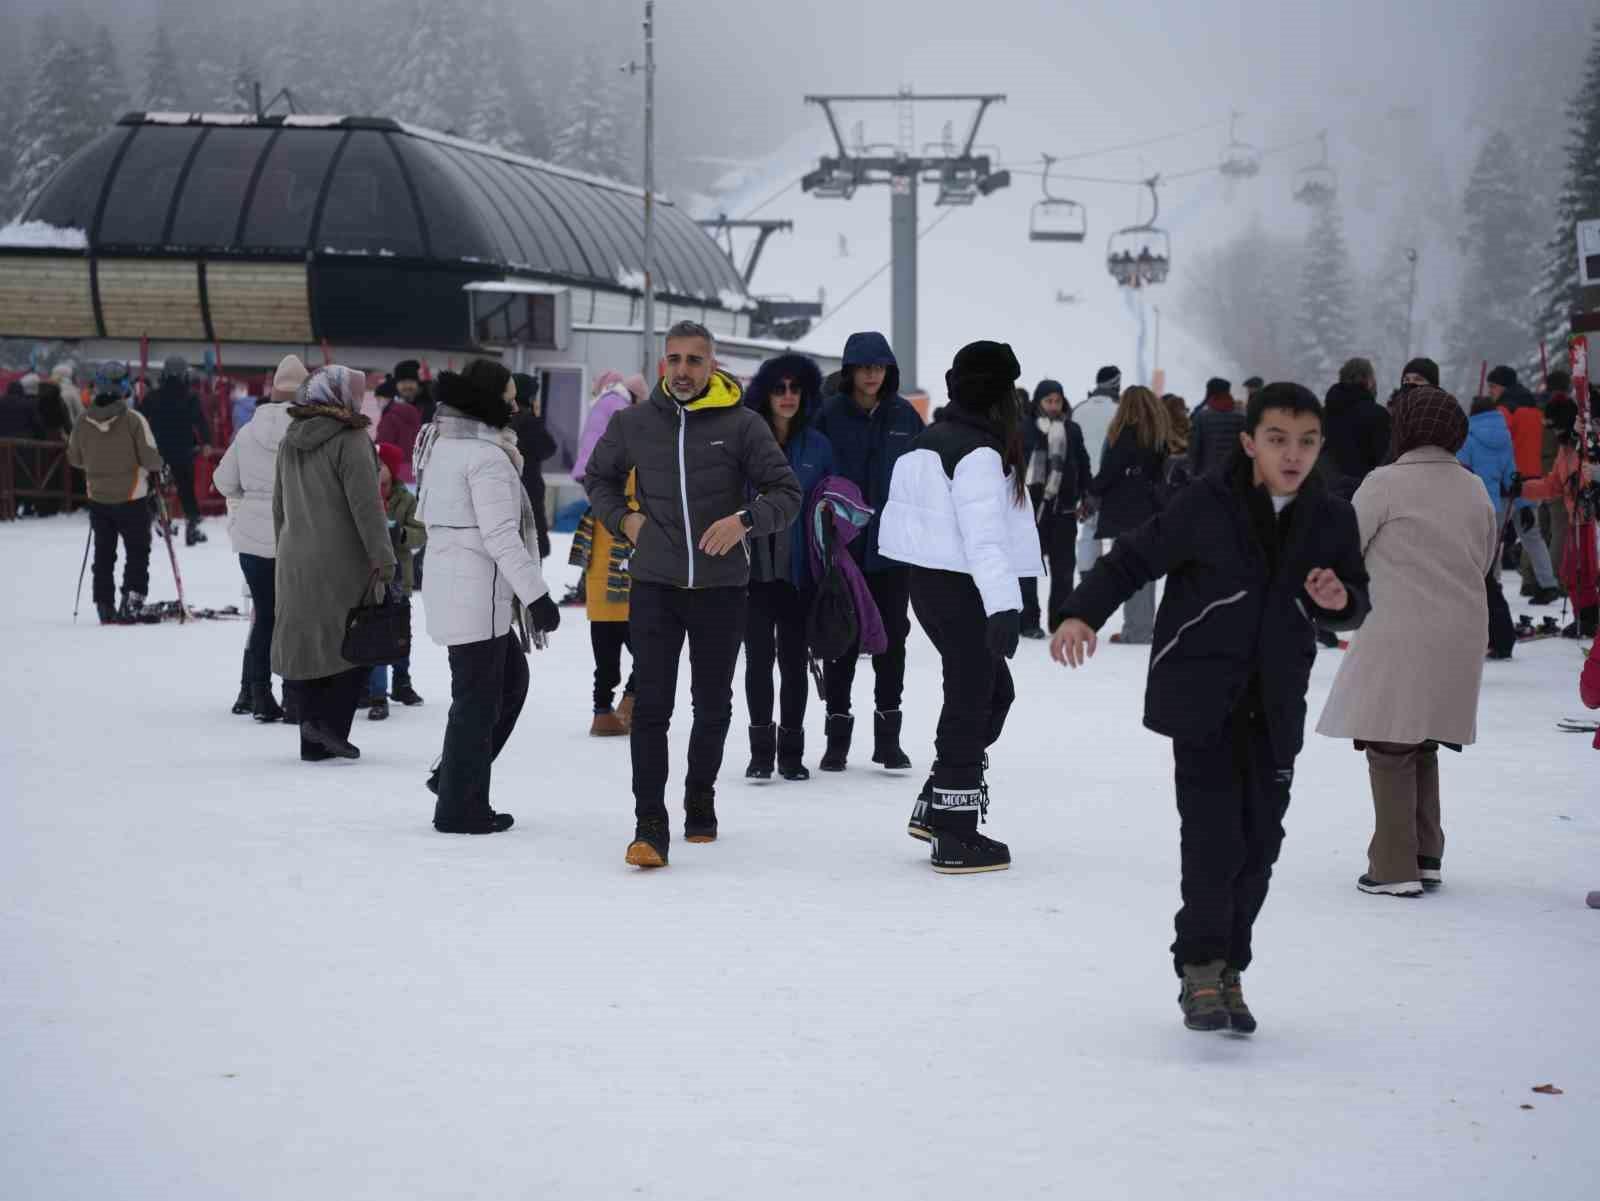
42	235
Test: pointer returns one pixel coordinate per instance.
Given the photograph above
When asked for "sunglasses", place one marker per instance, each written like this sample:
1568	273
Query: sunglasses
786	387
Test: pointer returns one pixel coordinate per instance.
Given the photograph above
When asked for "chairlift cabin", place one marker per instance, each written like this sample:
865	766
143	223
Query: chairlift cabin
1240	160
1055	218
1317	184
1141	255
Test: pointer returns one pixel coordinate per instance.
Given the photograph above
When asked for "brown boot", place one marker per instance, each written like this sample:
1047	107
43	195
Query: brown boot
625	712
607	725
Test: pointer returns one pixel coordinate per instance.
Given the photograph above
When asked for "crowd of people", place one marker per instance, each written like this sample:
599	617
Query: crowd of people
802	520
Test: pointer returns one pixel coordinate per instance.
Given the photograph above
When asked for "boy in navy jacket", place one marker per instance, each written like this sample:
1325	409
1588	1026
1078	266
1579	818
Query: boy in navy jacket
1256	558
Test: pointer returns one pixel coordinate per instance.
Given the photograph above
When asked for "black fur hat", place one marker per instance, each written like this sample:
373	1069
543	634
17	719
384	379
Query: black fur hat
479	392
982	374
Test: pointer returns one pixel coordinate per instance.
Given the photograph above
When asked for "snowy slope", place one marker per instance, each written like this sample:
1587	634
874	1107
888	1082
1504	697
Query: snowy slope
228	974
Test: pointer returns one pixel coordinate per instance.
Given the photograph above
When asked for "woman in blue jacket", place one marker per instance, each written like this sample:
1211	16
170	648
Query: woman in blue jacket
787	391
1489	454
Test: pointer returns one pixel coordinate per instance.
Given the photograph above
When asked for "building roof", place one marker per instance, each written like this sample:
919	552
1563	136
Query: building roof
229	185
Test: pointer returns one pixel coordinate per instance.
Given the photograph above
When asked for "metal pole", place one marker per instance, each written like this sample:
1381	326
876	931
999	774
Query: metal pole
1411	299
903	243
648	341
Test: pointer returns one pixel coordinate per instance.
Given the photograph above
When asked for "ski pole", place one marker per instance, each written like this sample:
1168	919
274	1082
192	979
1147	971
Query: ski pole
172	555
77	597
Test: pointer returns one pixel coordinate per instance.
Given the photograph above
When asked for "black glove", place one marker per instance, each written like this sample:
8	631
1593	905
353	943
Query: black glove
544	615
1004	630
1516	486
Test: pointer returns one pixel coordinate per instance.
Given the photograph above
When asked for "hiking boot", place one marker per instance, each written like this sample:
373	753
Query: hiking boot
193	535
1429	873
1400	888
625	712
379	711
109	617
494	823
263	705
791	749
839	727
241	703
1201	996
649	845
700	817
132	608
886	740
369	699
1240	1019
404	692
763	751
607	725
957	847
323	739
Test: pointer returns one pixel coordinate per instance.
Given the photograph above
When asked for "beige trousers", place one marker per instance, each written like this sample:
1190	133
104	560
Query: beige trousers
1405	801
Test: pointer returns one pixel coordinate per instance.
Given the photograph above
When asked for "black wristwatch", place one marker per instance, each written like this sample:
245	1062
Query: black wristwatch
747	519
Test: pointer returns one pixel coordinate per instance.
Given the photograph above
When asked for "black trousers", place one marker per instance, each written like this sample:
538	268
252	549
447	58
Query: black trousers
977	683
775	633
659	620
1502	634
1232	796
330	702
1059	534
129	521
606	639
183	481
890	590
1030	584
488	685
258	577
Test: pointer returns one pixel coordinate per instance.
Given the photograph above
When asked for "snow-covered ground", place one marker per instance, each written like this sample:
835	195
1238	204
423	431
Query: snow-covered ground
228	974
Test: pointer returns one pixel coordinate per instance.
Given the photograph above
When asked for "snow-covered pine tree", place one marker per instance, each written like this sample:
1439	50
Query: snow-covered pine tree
589	134
1494	303
1240	295
428	73
54	120
105	91
1325	333
1557	291
164	89
489	116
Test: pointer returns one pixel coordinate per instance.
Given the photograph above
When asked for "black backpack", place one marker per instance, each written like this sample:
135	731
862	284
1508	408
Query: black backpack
831	626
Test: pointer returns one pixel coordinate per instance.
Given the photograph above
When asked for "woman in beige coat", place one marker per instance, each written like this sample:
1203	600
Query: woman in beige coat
1410	681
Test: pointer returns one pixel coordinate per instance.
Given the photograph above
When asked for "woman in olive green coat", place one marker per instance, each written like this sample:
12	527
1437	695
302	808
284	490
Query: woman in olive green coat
333	549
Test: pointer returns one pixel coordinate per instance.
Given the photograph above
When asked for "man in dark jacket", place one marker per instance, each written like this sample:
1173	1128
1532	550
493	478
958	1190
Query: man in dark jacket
535	445
1215	431
1357	434
1254	558
173	410
699	454
870	426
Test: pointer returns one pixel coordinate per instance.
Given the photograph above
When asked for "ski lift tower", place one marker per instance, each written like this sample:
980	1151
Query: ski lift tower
962	176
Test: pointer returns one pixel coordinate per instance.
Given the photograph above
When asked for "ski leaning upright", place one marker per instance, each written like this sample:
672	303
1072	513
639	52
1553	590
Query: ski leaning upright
172	554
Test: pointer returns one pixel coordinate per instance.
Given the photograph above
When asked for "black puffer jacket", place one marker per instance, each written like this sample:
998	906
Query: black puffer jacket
1355	428
176	419
1128	486
697	464
1213	436
1235	616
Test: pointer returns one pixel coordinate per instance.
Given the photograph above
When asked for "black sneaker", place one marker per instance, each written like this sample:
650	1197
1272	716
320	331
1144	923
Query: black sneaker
109	617
379	711
194	535
700	817
494	823
1201	996
263	705
1240	1019
839	727
241	703
886	740
326	740
1429	871
649	845
404	692
1400	888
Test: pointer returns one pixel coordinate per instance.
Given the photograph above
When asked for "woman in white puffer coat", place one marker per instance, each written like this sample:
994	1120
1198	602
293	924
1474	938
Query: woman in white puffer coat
246	477
483	590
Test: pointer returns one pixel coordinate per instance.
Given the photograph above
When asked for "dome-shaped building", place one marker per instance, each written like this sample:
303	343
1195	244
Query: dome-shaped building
359	238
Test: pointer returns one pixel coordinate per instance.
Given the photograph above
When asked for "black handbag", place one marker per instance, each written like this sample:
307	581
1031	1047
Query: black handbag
380	633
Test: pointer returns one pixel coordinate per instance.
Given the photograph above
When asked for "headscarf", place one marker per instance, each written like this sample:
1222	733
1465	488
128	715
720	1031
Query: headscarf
335	386
1425	416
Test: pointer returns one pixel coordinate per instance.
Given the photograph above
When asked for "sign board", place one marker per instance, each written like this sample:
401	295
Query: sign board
1589	253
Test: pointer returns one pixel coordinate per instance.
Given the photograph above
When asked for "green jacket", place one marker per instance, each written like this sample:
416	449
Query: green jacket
405	532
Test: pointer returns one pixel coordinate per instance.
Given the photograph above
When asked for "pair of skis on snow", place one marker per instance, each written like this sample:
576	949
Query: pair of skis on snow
1578	725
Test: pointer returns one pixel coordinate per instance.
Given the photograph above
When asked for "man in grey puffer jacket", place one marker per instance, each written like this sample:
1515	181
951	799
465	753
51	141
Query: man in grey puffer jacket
709	473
